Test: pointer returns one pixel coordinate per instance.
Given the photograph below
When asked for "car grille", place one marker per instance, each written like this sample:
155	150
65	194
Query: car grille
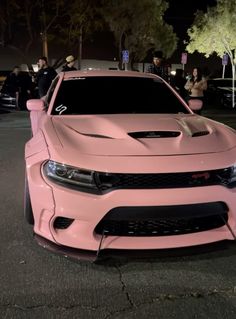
110	181
163	220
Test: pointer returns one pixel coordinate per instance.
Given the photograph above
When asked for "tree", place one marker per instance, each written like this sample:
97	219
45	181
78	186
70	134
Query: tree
138	26
23	21
51	11
214	32
10	24
82	19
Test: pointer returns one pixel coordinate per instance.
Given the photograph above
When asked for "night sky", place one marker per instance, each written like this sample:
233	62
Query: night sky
181	13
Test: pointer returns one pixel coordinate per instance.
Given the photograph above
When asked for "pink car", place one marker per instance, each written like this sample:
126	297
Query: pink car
117	160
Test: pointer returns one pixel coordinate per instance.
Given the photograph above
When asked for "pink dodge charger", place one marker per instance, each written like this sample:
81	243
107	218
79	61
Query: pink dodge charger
117	160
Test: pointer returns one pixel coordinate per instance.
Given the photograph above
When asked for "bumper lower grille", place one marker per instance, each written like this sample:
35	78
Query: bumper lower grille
62	222
163	221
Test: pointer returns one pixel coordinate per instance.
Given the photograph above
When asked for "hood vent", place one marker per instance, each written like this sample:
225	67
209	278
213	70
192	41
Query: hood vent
154	134
201	133
96	135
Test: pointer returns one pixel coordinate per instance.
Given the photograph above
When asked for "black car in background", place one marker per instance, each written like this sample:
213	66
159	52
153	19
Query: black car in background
219	92
26	90
6	101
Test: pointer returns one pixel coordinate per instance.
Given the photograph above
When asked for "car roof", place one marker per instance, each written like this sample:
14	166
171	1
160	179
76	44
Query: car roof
115	73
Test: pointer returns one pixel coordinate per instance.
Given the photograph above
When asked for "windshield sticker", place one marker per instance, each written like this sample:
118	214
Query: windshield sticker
61	108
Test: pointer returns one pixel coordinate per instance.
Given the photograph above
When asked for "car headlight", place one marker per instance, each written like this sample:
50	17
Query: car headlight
70	176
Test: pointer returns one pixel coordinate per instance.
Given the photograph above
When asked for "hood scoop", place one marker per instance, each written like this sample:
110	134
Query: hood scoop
201	133
154	134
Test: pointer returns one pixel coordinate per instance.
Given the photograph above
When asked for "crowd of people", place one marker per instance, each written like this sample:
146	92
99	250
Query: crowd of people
22	85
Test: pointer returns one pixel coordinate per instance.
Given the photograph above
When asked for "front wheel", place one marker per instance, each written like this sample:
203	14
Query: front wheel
28	212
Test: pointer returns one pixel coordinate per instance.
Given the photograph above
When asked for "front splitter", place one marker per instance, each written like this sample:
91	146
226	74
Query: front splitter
94	257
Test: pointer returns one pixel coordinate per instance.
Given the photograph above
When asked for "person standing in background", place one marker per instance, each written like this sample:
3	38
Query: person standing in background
178	82
69	66
44	76
158	66
26	86
195	86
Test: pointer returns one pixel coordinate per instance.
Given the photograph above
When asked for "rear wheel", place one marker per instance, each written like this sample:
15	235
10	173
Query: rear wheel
28	212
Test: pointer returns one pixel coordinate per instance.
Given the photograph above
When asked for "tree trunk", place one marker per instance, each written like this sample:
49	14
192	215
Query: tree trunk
45	45
80	49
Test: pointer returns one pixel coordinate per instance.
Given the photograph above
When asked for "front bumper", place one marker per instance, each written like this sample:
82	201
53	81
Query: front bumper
87	210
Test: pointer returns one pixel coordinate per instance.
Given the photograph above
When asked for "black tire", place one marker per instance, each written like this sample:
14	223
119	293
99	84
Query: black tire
28	212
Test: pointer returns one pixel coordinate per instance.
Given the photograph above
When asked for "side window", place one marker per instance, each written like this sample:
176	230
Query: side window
50	91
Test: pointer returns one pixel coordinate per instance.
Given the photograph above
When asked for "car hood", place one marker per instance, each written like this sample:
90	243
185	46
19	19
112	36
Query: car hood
142	135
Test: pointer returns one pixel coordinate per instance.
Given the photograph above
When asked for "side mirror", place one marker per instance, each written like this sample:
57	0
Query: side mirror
195	105
35	105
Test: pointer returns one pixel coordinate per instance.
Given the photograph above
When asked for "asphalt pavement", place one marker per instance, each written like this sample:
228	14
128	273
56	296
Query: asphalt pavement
196	283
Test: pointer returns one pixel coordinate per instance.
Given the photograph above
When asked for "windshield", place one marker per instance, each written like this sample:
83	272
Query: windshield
115	95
